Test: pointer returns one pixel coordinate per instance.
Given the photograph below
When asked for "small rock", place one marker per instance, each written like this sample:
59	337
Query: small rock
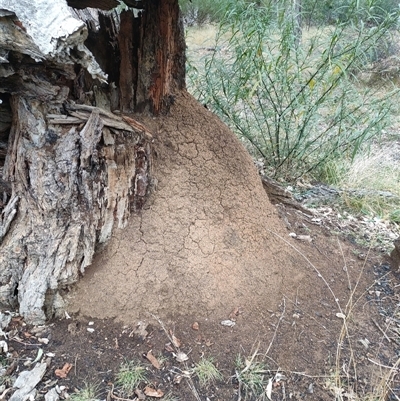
52	395
228	323
304	238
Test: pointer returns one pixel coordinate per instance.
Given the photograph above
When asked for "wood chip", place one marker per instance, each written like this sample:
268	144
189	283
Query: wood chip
304	238
137	125
168	347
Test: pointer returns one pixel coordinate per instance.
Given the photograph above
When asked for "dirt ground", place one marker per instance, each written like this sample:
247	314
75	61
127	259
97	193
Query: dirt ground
300	342
210	269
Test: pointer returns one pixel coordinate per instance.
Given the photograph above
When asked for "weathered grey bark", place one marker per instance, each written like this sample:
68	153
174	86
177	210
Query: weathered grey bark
77	168
71	191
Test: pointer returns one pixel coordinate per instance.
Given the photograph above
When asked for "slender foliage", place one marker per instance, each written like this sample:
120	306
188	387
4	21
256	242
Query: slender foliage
296	104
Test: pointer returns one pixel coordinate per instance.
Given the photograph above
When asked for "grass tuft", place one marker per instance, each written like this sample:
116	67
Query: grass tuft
207	372
87	393
130	375
251	377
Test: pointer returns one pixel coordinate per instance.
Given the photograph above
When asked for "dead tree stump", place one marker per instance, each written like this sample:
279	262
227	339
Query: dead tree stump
77	163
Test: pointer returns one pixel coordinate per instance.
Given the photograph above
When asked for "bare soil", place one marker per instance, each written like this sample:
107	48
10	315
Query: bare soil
210	247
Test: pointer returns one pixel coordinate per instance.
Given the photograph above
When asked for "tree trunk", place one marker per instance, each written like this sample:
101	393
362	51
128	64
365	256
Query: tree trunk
77	162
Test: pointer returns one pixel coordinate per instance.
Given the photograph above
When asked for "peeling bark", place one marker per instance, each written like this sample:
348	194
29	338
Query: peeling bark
74	185
74	170
103	4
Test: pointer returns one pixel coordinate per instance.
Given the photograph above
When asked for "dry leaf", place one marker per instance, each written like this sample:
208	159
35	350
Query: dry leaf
153	360
169	348
141	330
175	340
181	357
62	373
195	326
151	392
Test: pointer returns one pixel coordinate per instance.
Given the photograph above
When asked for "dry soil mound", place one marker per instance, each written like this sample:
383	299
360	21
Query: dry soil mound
201	245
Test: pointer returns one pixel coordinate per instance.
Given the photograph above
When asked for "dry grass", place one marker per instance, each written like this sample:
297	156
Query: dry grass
379	170
203	36
343	383
374	177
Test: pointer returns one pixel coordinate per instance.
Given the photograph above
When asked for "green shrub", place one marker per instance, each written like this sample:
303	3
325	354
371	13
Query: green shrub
318	12
315	12
295	101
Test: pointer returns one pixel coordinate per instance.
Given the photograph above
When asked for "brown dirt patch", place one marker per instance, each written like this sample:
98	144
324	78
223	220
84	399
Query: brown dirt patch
299	338
203	243
207	243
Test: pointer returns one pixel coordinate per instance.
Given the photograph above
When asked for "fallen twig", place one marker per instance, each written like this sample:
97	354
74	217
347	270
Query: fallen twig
383	366
276	328
112	395
381	330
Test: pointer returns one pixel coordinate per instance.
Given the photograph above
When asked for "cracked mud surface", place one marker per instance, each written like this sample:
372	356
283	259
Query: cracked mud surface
209	241
201	241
